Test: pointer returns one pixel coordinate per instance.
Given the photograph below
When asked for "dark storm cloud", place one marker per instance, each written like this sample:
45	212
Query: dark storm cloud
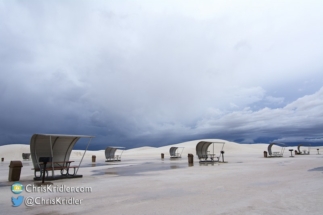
142	73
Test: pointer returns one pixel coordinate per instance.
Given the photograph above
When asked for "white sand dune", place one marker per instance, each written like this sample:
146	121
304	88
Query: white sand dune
13	151
143	183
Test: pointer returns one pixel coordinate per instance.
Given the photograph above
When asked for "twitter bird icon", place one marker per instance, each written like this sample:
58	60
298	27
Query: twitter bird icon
17	201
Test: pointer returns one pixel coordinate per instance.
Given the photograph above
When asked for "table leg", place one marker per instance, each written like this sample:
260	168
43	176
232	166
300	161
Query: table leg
68	168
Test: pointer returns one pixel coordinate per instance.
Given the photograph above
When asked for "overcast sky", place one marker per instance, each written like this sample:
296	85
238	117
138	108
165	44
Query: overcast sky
138	73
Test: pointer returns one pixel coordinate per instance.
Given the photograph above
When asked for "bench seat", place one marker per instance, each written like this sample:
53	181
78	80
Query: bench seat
61	168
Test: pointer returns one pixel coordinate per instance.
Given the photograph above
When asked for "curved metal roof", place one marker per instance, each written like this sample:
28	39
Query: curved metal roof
57	146
302	144
110	151
172	151
201	148
278	144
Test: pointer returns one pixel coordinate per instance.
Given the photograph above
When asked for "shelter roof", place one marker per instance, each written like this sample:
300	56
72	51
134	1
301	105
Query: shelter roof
275	143
65	135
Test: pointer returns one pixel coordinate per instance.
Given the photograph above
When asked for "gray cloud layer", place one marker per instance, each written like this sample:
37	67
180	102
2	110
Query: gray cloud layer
153	73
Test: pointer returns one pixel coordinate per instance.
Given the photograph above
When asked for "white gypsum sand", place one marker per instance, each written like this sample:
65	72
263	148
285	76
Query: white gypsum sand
143	183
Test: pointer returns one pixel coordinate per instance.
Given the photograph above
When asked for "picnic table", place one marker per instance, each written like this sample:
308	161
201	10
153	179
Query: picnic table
63	166
277	154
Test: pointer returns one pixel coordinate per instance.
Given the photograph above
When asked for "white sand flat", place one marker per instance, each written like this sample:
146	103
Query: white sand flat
142	183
